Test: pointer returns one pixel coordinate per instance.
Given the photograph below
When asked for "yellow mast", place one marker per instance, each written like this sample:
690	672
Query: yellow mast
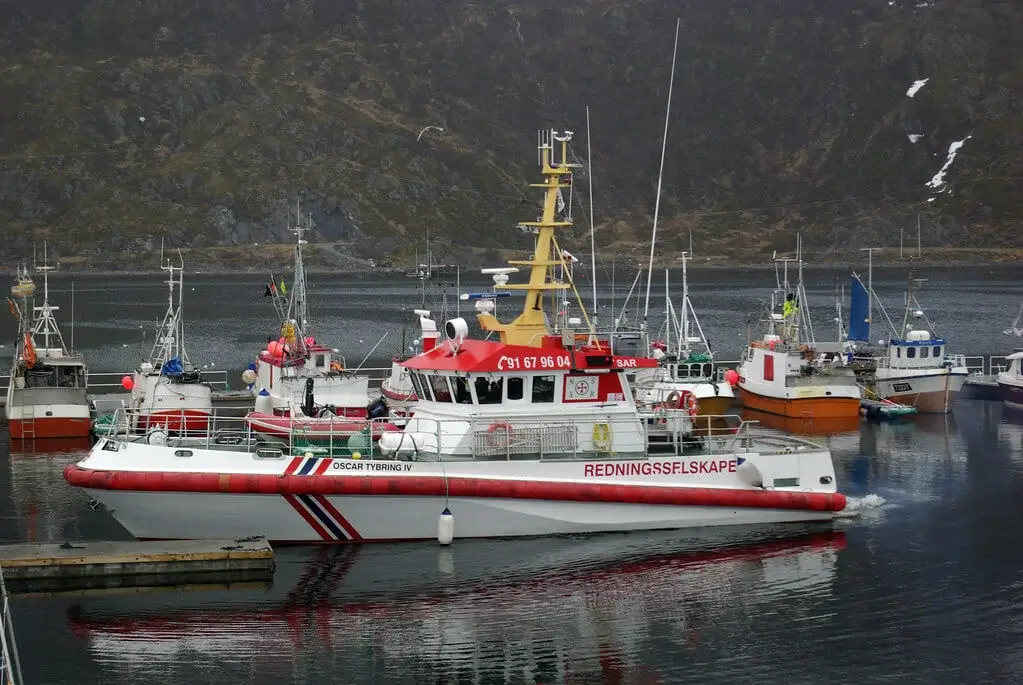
529	327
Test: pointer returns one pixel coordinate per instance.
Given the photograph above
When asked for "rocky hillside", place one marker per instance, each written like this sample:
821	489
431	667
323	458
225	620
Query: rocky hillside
201	121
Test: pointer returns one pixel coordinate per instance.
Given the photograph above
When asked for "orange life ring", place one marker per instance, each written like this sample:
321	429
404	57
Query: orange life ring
674	400
499	434
336	366
692	406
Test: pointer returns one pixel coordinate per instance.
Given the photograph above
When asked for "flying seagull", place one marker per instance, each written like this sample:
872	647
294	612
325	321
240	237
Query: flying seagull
438	128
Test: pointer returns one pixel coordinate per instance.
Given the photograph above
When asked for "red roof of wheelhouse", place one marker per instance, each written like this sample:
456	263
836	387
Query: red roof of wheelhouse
484	356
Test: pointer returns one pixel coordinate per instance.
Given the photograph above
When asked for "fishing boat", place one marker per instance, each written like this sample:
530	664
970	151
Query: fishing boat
295	356
1010	381
166	389
786	372
916	369
46	395
687	369
397	389
528	434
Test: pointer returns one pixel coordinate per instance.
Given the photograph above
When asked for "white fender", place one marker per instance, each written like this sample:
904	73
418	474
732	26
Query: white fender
399	442
749	474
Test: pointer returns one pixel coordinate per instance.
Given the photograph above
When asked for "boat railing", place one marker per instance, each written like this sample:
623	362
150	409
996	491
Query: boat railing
10	668
660	432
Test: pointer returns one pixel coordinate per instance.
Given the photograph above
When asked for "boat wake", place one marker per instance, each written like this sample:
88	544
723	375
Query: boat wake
856	506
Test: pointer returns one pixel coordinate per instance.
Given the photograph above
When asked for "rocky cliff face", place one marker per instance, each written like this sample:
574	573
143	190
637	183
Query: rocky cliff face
202	121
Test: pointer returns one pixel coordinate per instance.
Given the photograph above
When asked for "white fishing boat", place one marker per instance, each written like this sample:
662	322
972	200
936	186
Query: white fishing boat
531	434
1010	381
295	356
46	396
686	373
166	389
916	369
397	389
787	372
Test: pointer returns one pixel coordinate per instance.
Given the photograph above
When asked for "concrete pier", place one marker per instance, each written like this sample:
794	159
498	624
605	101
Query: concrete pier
91	560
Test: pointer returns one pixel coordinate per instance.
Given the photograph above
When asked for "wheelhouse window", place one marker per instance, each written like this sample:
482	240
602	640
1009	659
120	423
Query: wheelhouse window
321	361
441	391
461	388
910	352
416	387
924	351
543	389
937	351
898	351
516	387
488	391
423	385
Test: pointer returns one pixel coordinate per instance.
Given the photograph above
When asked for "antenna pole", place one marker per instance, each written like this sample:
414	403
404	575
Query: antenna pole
72	315
660	177
593	248
870	281
918	235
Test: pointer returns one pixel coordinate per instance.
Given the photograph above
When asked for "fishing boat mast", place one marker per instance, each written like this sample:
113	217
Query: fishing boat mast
45	324
530	326
169	341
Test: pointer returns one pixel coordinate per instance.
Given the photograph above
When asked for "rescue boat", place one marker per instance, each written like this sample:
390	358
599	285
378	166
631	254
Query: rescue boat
524	433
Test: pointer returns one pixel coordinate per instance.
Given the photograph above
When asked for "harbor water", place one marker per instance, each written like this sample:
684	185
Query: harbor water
924	585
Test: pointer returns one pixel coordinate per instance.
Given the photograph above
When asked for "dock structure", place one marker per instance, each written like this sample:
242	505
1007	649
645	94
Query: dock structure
168	560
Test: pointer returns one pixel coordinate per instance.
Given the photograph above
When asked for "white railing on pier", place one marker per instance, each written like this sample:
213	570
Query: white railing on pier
10	669
986	366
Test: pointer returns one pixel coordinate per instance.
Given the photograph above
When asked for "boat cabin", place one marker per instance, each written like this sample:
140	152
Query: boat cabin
919	350
487	399
52	370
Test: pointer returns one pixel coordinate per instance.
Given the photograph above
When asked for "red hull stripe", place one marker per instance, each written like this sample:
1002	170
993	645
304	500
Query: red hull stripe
293	466
332	511
304	513
437	486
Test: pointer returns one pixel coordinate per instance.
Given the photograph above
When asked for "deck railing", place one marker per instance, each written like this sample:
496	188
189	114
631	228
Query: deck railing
480	437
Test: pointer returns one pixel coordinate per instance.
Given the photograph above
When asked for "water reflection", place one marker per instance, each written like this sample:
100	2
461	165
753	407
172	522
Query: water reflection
553	610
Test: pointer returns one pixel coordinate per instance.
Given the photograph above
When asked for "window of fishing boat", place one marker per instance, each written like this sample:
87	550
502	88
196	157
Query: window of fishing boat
462	393
910	352
937	351
924	351
543	389
708	370
489	390
516	387
441	390
320	361
422	388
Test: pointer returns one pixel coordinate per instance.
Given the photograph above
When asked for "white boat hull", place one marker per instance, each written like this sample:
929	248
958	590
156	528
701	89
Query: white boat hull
148	515
168	492
930	391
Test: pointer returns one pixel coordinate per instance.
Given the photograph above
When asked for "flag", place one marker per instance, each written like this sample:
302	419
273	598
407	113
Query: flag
271	289
284	288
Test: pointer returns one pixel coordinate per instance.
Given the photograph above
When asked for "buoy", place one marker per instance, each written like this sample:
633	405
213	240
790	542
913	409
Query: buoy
248	376
264	402
308	455
732	377
446	527
157	436
127	382
356	455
